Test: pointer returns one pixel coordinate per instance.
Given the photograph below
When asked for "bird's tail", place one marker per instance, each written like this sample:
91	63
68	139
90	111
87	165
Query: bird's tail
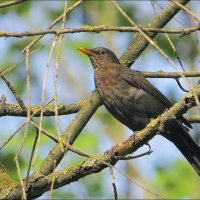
187	146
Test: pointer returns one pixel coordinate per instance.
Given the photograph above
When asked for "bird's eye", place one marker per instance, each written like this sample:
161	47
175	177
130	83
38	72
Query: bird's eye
102	53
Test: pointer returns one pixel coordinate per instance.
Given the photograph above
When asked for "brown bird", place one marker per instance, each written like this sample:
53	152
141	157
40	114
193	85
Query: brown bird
134	101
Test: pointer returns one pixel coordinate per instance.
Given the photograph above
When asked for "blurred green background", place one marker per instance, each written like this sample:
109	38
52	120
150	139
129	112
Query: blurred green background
165	171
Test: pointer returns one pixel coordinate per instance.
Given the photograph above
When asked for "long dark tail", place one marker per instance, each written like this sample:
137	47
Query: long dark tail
187	146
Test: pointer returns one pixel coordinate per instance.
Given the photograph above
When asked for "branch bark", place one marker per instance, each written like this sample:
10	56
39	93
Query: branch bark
49	110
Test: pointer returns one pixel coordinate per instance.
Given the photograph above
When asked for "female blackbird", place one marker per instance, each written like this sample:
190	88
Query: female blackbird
133	100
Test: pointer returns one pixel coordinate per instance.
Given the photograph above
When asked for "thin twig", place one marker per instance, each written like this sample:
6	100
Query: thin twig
31	158
17	161
58	19
172	46
11	3
44	131
56	70
179	84
6	142
17	97
44	93
21	103
98	29
12	135
186	10
174	75
20	177
174	18
196	36
134	157
60	141
113	182
28	112
193	119
139	185
52	180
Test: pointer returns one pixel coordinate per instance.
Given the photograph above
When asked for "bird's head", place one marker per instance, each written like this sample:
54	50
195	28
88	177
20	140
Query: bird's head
100	55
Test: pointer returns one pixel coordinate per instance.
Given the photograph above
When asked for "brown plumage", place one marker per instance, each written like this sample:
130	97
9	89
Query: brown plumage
133	100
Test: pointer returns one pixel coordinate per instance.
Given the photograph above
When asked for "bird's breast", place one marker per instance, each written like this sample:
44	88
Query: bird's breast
118	96
109	84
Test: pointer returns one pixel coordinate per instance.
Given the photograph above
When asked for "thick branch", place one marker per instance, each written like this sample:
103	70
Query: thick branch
193	119
49	110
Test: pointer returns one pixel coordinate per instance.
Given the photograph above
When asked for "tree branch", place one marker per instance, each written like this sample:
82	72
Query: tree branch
10	3
49	110
98	29
174	75
193	119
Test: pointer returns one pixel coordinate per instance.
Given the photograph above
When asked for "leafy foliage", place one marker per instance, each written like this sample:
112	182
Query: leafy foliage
177	181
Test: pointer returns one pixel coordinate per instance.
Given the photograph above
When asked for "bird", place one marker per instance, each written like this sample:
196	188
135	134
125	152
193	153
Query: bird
134	101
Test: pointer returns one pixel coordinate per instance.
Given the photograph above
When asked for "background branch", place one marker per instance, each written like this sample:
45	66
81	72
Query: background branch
98	29
11	3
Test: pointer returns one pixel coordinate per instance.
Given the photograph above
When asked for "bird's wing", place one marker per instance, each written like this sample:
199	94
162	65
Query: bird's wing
137	80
